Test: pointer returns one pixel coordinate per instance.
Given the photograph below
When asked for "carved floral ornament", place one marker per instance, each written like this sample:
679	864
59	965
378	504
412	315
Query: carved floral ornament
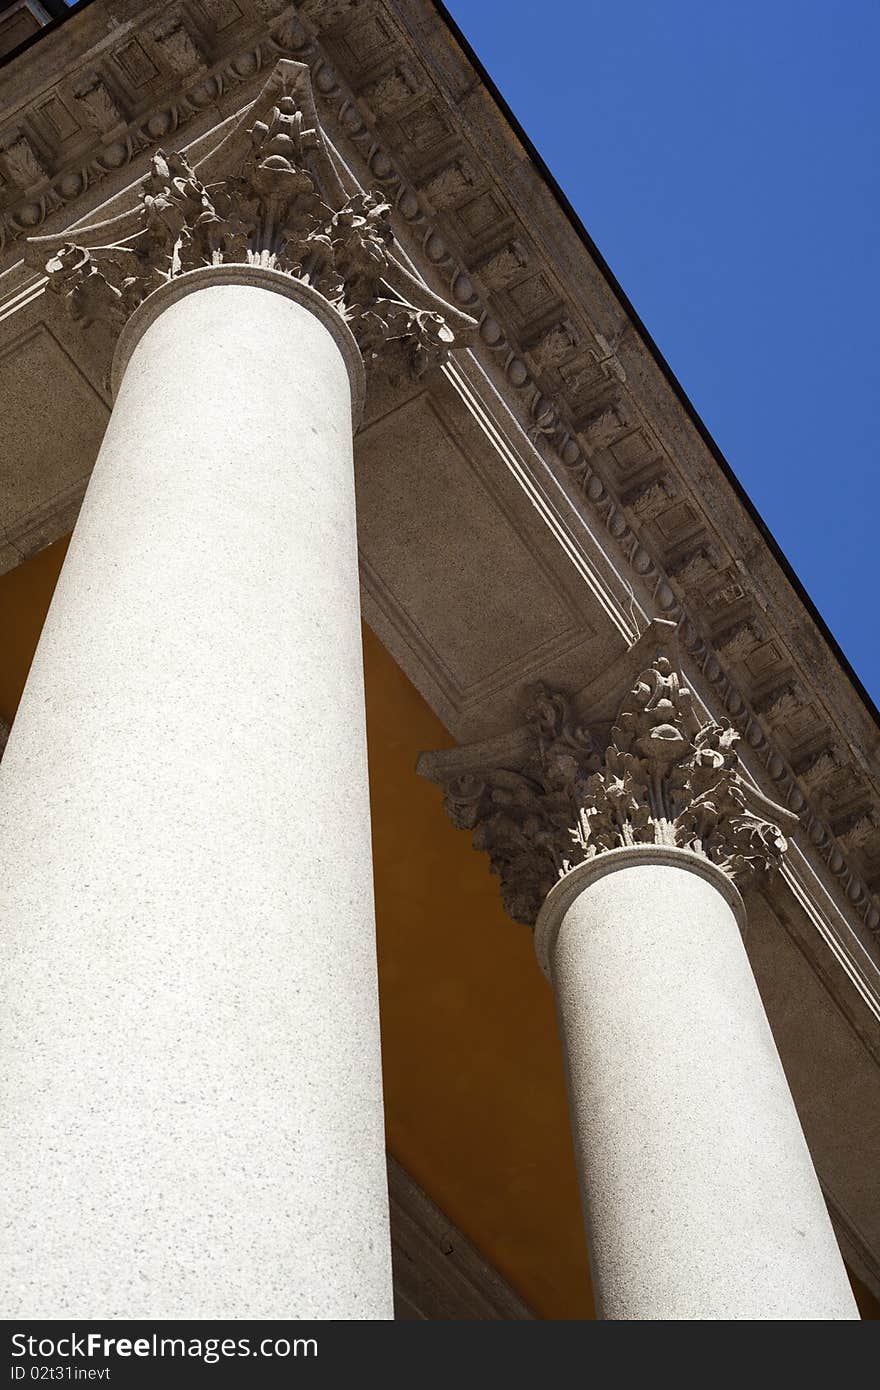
662	778
269	196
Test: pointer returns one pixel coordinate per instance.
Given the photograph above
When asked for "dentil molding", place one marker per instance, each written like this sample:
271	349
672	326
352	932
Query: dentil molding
268	198
412	109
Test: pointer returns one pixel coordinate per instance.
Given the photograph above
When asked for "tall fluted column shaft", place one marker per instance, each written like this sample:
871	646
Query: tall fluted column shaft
699	1194
192	1091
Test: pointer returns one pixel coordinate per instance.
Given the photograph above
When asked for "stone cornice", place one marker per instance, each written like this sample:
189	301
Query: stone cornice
657	507
268	199
565	788
132	75
392	79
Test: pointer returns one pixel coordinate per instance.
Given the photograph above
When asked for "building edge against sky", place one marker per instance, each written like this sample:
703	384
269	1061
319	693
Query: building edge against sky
535	504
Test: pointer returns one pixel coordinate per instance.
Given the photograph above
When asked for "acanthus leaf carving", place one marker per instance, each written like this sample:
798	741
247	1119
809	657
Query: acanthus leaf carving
521	817
22	164
391	91
277	202
450	185
602	413
669	780
554	345
818	767
782	704
738	641
857	829
697	568
178	47
100	109
649	499
503	266
663	778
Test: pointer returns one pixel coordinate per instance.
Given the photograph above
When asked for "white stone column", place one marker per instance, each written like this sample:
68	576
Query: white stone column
625	848
699	1194
192	1103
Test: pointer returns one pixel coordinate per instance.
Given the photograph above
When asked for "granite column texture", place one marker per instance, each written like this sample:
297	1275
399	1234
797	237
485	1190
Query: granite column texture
699	1194
192	1089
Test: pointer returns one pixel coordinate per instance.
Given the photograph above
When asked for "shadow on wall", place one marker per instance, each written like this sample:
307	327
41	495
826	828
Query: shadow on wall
474	1093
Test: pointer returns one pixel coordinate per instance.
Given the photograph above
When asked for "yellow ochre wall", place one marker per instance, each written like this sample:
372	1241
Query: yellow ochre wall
474	1093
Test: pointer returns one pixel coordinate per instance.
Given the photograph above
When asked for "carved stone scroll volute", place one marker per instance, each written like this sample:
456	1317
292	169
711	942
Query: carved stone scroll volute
553	794
269	195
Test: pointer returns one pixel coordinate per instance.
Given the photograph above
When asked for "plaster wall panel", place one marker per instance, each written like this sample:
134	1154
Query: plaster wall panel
442	547
477	573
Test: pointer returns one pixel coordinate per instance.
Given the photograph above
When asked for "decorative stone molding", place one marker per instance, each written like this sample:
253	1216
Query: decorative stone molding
650	498
697	567
159	77
668	780
585	436
558	794
392	91
100	108
177	46
857	829
503	266
278	204
586	440
737	641
782	703
21	163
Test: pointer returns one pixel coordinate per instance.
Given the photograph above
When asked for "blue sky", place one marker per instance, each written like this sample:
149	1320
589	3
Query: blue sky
724	158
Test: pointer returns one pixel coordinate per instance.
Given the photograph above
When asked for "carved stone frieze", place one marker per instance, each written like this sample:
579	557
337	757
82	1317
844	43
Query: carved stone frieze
649	499
173	63
390	92
697	568
278	203
503	266
815	769
449	186
21	163
781	704
554	345
565	793
737	641
324	12
578	427
858	829
177	46
99	107
582	439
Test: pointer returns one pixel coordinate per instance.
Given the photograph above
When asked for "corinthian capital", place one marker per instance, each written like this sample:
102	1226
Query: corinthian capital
269	195
556	793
